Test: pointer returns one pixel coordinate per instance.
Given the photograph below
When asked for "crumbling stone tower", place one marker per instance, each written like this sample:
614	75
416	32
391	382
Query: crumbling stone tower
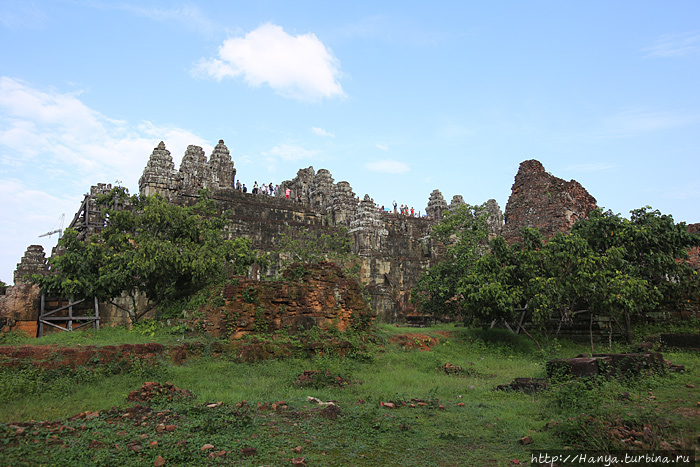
159	175
343	204
457	201
33	262
368	229
495	219
194	171
436	205
543	201
223	175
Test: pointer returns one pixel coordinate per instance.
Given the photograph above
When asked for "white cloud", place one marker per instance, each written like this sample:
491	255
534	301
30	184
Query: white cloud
291	152
383	147
321	132
388	166
299	67
52	149
675	45
50	128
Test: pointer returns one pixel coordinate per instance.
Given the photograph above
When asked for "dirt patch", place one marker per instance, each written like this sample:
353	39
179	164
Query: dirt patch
410	341
54	357
159	391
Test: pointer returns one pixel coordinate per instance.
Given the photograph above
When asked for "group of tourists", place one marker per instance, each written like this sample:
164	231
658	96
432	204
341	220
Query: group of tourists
270	190
274	190
405	211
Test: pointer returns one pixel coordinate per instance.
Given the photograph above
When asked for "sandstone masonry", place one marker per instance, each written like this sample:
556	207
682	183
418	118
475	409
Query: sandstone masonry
541	200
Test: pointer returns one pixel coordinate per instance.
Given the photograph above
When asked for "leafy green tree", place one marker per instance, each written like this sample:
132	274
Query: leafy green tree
646	268
444	287
303	245
607	266
148	247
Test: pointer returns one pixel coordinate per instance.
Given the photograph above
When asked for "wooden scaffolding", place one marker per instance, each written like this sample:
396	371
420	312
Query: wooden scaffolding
66	314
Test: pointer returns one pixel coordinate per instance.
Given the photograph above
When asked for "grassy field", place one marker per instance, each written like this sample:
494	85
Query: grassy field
254	414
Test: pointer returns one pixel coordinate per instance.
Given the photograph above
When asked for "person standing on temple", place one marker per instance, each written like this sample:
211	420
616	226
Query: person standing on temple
255	188
287	192
394	206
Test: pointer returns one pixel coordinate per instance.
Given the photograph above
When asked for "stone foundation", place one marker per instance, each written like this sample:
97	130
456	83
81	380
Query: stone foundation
309	296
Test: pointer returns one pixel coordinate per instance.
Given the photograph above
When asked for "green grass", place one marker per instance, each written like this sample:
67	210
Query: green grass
486	430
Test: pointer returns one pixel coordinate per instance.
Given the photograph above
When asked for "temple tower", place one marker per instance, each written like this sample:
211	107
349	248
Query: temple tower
194	169
222	172
321	191
457	201
159	175
33	262
436	205
367	229
343	204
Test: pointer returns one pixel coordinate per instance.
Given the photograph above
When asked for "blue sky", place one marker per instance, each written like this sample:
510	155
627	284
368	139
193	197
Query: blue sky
396	97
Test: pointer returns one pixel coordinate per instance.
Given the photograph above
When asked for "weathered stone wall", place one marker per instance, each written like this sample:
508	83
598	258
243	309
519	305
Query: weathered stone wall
19	306
394	250
541	200
318	295
19	309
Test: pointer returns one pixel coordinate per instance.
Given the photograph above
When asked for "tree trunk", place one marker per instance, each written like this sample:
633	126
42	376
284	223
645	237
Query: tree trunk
590	330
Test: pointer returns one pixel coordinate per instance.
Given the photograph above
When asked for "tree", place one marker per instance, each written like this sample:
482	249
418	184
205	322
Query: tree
646	268
464	235
607	266
149	247
303	245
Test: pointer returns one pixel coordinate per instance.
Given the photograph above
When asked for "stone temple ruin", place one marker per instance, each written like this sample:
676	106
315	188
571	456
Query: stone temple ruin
394	249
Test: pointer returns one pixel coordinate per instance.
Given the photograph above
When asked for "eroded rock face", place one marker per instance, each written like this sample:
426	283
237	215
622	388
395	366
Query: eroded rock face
19	306
543	201
317	295
19	309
